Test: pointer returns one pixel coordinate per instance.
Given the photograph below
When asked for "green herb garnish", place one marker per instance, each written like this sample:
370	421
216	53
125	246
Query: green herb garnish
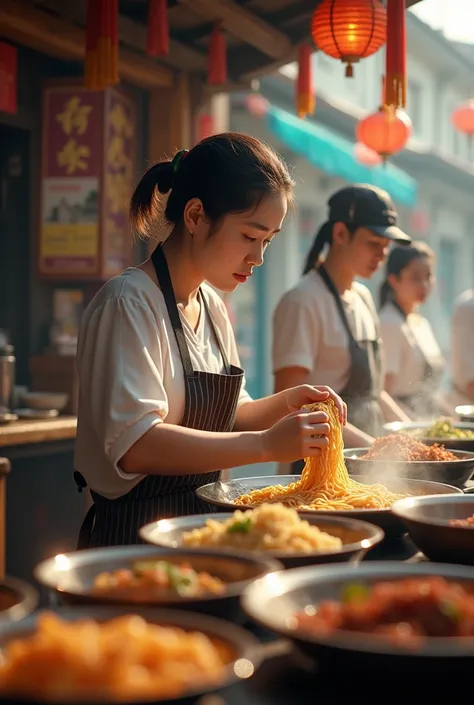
450	610
240	527
355	592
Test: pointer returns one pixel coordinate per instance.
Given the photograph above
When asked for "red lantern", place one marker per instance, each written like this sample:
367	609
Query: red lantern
349	30
462	118
366	156
217	57
385	132
396	55
101	62
257	105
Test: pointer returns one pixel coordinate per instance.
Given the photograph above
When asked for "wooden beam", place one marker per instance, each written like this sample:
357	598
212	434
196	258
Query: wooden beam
243	24
133	34
55	37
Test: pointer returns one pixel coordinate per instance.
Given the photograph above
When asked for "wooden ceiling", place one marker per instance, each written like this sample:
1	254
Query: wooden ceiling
262	35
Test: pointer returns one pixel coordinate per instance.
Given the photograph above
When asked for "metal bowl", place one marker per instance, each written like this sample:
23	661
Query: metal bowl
427	521
357	538
463	444
273	600
242	646
451	472
17	600
465	412
223	495
71	575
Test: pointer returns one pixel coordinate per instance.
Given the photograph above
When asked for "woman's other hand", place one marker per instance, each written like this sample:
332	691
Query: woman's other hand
297	397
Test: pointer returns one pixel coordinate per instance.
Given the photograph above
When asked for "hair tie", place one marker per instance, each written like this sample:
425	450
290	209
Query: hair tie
178	157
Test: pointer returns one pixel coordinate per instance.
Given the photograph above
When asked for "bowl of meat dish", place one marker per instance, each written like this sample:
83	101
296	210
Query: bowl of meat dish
204	581
441	527
101	655
453	435
400	456
325	487
272	529
385	616
17	600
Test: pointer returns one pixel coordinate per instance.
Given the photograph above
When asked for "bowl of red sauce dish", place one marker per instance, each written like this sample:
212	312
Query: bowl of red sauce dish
411	619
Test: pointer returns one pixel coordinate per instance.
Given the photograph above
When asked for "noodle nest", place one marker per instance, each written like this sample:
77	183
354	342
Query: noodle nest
325	483
269	527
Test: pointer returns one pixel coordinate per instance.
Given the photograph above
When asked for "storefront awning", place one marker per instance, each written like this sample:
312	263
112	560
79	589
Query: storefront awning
335	155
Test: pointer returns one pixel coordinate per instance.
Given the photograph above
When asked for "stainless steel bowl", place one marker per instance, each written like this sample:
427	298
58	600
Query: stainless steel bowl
273	600
243	647
357	537
17	600
465	412
427	521
454	472
72	575
408	427
223	495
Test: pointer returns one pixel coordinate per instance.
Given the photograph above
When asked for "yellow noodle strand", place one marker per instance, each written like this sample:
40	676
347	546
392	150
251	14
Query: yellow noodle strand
325	483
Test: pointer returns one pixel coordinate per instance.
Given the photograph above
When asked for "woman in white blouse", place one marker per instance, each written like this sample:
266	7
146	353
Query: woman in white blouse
414	364
162	403
327	325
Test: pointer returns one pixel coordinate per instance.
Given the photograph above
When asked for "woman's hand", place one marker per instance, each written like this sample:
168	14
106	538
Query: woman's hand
301	434
297	397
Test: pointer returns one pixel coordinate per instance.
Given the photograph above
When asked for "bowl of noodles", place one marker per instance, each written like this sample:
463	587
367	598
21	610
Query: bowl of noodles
204	581
101	655
325	487
453	435
372	616
272	529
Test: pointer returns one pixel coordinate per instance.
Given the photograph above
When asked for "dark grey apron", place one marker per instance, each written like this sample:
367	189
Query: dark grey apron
362	389
422	403
210	405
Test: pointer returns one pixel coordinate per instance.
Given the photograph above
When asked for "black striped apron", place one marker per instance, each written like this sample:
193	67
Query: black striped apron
210	405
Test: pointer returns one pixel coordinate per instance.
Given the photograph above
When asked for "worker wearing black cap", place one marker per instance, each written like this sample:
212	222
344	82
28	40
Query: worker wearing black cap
327	327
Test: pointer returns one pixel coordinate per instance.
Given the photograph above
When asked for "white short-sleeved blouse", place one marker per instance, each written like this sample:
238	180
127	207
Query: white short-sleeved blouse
462	345
308	331
130	372
409	343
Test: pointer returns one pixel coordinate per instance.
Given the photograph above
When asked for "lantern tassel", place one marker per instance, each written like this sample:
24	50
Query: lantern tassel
305	99
101	61
217	57
157	40
396	55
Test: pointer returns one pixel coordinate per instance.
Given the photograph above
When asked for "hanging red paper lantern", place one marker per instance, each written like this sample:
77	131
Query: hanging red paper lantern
101	62
365	155
257	105
462	118
305	102
396	55
349	30
386	132
217	57
157	38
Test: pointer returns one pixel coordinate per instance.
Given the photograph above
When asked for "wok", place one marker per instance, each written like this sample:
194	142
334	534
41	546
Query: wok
71	575
452	472
406	428
223	495
243	648
273	600
427	521
357	537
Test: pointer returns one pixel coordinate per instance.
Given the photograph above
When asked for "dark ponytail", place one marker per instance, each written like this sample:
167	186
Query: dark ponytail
398	259
228	173
323	237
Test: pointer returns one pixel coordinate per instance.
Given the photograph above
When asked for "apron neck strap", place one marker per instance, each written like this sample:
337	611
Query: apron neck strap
330	286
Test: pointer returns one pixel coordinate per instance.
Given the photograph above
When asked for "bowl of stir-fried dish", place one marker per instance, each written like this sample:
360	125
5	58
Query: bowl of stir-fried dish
204	581
452	434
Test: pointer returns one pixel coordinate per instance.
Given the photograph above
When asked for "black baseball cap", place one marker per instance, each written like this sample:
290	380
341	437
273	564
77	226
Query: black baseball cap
367	206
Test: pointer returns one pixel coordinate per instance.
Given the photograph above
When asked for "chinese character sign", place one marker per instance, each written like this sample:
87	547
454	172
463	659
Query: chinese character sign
71	170
118	179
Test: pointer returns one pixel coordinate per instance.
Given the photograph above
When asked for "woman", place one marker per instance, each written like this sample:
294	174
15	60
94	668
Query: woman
163	406
327	324
414	364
